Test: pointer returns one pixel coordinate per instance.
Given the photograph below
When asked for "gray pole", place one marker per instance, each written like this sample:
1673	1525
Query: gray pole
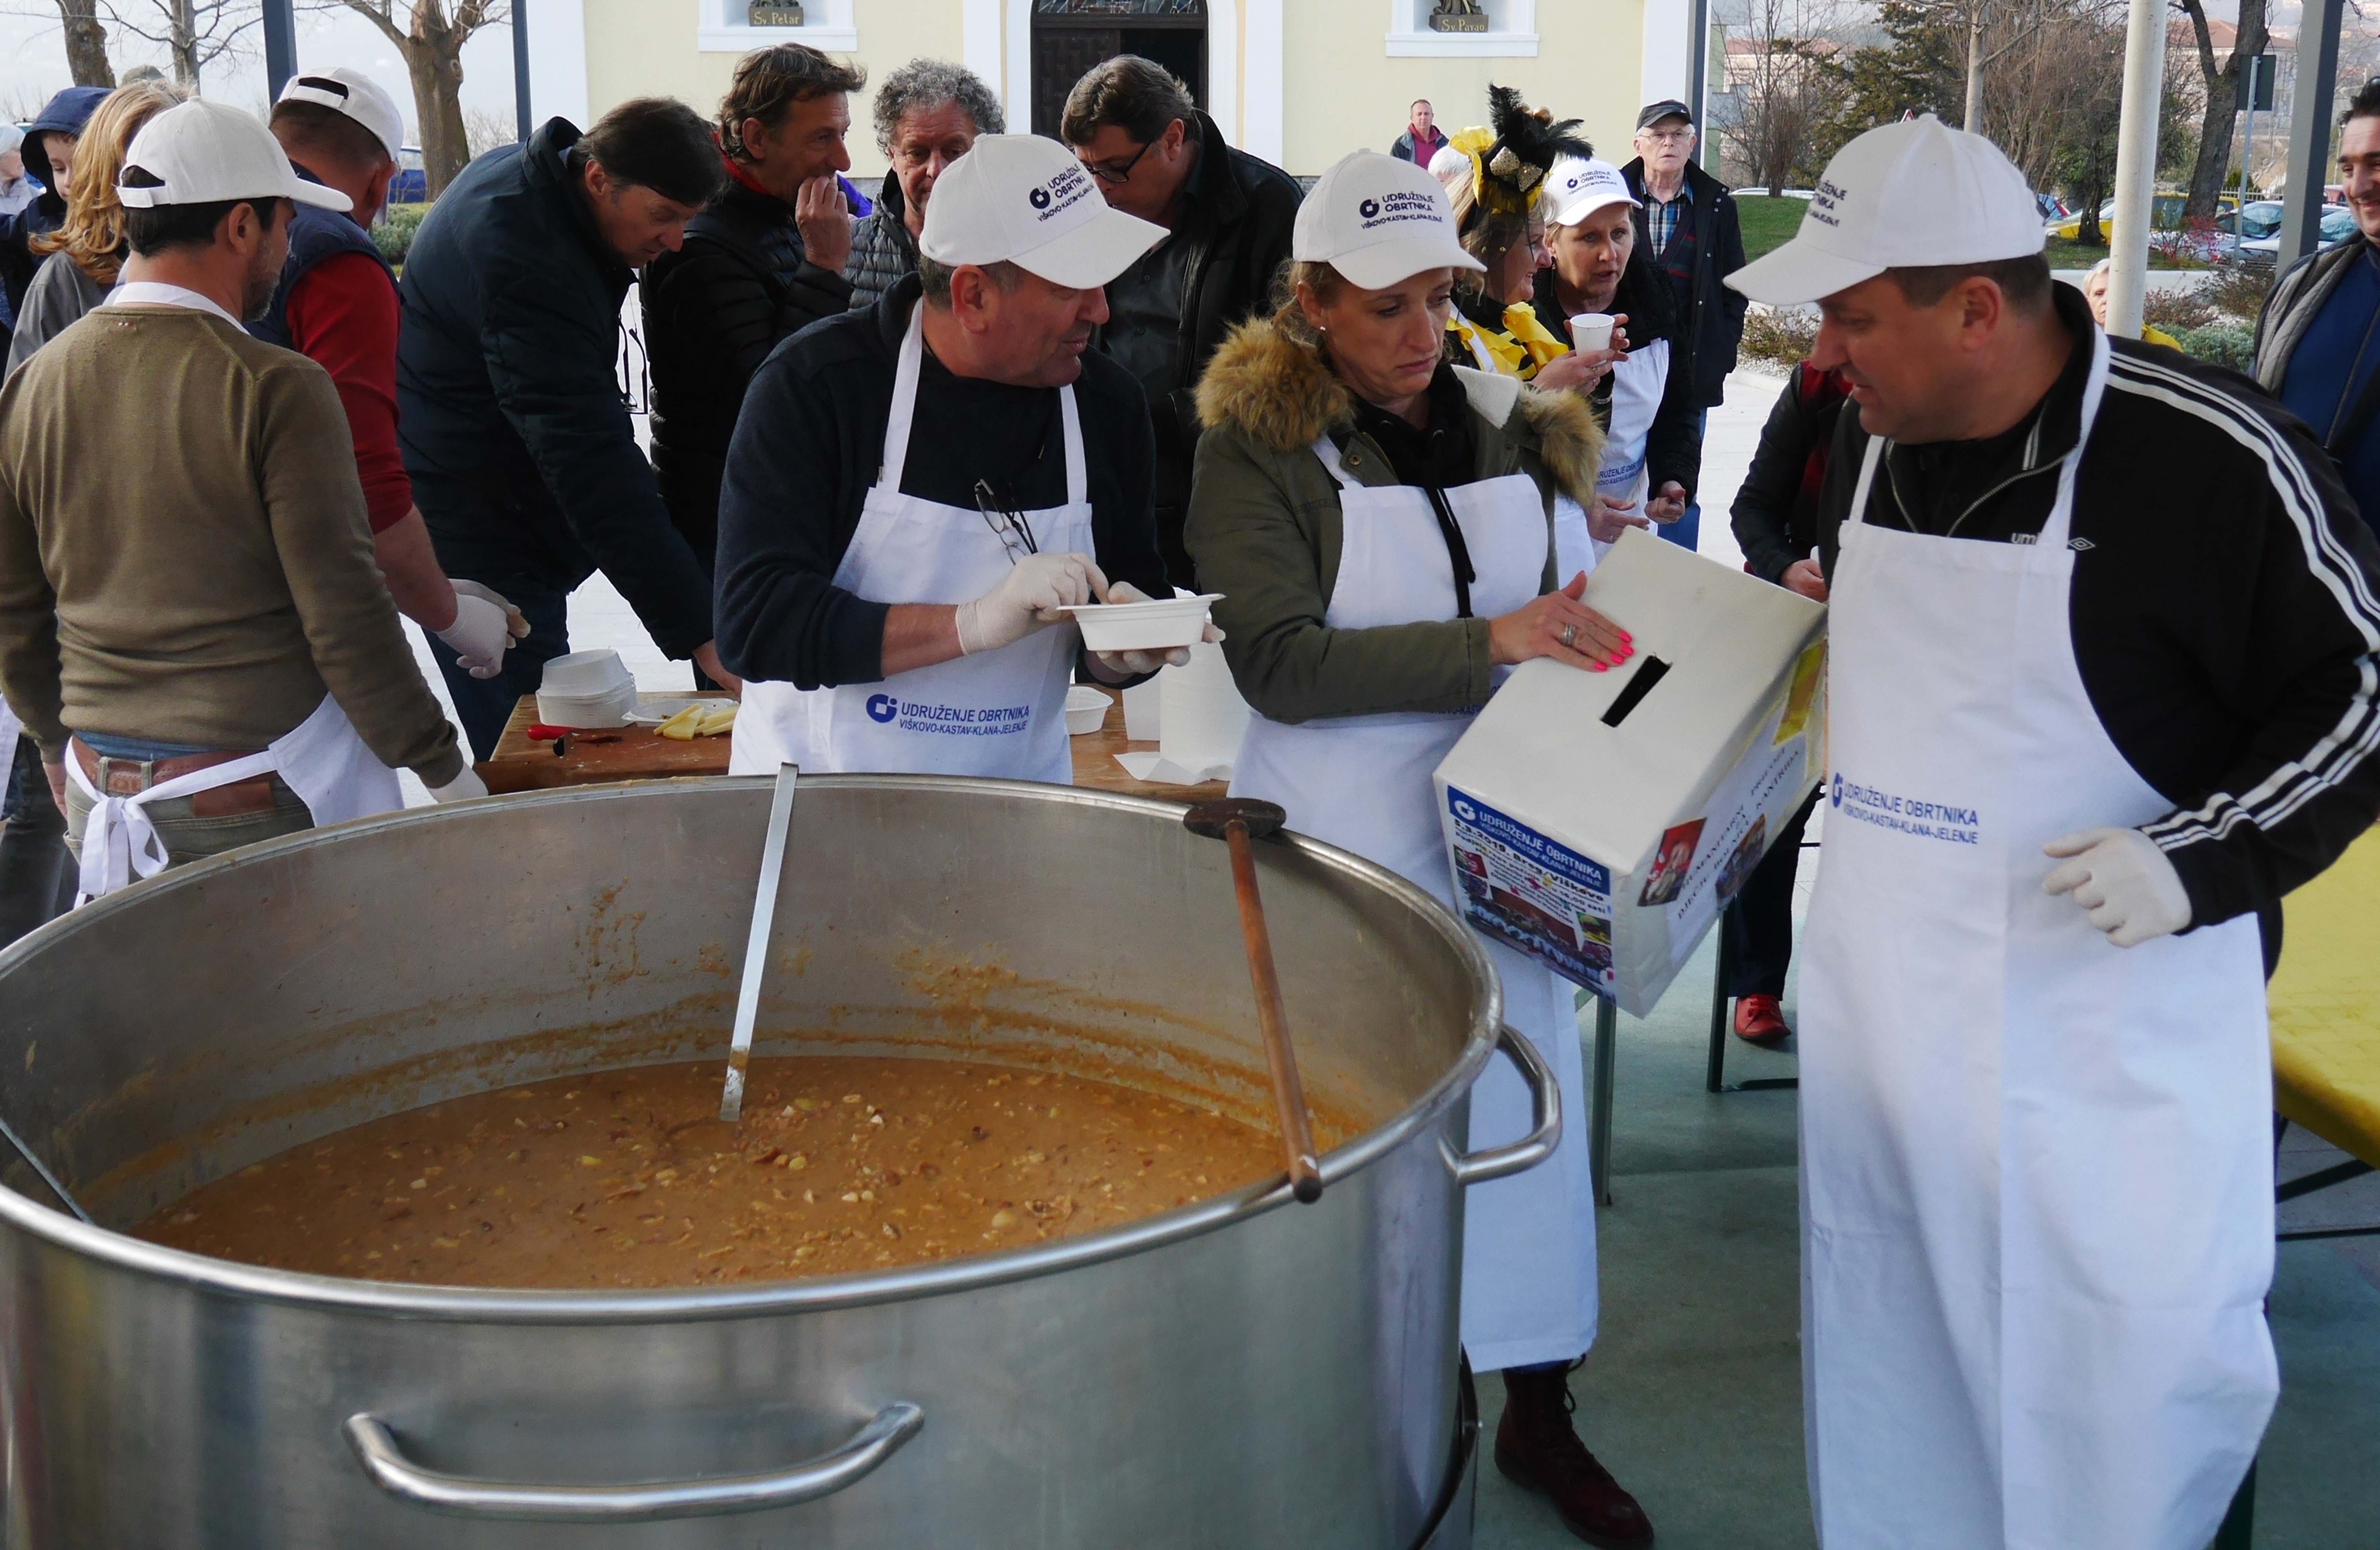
2248	142
2310	131
521	69
1698	82
280	45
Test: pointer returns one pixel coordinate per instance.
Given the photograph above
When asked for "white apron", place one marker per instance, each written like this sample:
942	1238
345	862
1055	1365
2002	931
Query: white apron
1363	783
2037	1186
321	758
1637	384
996	713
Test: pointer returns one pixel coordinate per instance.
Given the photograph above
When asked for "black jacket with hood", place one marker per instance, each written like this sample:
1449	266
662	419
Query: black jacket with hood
67	113
1713	326
510	410
741	285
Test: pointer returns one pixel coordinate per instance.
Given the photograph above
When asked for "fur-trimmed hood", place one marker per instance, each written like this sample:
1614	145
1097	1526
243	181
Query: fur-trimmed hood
1276	390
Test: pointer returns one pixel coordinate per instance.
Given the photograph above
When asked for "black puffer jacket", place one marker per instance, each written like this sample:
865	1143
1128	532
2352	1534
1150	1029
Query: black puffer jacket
1237	221
883	252
509	406
713	310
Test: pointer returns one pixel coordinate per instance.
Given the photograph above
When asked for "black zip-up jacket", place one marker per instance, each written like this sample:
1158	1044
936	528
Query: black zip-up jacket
2225	608
65	113
882	252
811	442
1707	336
1673	443
509	404
1236	219
713	310
1776	511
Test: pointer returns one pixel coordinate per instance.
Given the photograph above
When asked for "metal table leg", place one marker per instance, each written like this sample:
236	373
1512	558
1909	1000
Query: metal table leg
1715	1072
1598	1156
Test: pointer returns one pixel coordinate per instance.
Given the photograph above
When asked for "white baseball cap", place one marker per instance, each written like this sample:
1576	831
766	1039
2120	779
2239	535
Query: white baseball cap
356	95
1577	187
1024	200
1377	219
201	152
1901	196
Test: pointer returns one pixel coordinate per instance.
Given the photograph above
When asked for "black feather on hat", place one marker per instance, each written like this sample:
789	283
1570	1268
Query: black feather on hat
1527	142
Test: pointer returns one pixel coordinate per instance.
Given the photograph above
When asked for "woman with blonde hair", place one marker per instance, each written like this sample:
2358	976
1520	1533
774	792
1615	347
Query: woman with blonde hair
86	250
1494	178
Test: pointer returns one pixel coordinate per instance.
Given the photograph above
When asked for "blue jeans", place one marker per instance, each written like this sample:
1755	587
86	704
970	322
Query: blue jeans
484	704
1687	531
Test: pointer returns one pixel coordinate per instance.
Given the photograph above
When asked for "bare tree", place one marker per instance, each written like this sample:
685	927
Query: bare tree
194	33
85	44
430	34
1784	83
485	130
2222	99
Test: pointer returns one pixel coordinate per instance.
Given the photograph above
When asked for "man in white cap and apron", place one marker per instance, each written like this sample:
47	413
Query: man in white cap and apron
914	490
2103	630
191	624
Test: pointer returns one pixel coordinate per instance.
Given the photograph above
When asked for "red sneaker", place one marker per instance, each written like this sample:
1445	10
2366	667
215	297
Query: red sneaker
1761	1020
1537	1449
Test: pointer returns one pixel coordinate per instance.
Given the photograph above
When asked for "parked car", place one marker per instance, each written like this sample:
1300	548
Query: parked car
1761	190
2338	226
2165	214
411	184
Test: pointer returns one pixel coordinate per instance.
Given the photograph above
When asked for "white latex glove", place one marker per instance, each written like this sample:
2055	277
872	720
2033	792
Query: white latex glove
2119	876
462	788
485	626
1134	664
1026	599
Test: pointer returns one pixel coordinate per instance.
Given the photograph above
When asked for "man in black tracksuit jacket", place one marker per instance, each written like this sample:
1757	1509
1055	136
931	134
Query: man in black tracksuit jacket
511	414
2224	608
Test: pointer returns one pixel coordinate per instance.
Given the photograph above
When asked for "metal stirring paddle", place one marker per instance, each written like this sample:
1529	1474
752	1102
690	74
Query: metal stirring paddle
47	1178
756	950
1238	820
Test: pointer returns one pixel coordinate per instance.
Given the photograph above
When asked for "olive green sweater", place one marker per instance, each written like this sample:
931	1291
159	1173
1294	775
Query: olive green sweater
184	554
1264	527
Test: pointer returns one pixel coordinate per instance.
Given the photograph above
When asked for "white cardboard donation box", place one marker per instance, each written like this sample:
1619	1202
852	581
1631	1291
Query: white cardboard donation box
1600	821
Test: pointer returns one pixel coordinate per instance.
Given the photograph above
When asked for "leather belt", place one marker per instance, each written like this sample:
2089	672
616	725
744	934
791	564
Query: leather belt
120	777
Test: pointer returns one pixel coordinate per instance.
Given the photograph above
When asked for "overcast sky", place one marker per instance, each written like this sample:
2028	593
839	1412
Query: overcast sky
34	58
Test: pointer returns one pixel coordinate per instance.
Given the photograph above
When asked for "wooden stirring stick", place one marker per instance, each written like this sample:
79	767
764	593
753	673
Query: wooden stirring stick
1238	821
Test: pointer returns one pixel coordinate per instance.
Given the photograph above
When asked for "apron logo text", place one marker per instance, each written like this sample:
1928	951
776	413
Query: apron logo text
1929	820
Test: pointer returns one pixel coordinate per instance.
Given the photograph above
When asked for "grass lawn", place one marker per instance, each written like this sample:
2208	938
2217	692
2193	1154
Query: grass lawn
1768	222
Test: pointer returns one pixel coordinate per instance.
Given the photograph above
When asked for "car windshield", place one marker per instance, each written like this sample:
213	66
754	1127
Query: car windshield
2338	223
2260	219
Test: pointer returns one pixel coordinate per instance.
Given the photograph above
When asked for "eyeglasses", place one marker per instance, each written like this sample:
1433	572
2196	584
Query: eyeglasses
1108	172
1666	137
1010	527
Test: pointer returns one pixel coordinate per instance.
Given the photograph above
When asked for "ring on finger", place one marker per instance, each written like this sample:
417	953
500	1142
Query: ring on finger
1569	636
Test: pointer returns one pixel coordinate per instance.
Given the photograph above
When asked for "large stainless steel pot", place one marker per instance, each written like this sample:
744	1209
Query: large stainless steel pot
1241	1373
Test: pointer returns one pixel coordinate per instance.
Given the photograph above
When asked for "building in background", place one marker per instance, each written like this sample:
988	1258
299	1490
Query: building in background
1300	82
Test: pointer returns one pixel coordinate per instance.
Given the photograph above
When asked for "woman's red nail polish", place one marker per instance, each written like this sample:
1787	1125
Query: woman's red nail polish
1595	666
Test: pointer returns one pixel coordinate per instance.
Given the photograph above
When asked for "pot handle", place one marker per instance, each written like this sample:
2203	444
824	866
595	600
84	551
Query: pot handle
376	1447
1545	1098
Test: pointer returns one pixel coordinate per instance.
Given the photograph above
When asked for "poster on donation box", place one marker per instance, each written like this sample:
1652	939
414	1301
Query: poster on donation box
1599	822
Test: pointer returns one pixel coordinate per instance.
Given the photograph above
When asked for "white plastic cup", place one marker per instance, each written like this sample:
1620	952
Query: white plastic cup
1590	332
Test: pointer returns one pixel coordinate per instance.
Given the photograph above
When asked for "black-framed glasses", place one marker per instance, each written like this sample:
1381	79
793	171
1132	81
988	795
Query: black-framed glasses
1015	535
1108	172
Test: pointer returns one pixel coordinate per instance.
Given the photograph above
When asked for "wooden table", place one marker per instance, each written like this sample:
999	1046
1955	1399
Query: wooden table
641	754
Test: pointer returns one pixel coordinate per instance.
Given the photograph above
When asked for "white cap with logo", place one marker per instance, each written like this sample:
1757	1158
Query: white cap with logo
1902	196
351	91
1024	200
1377	219
203	152
1576	188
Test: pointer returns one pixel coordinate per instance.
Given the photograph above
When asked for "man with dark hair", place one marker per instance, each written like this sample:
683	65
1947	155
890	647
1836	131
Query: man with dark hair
336	305
510	409
2093	709
1227	216
2314	346
190	622
915	491
763	263
1688	225
927	113
1422	138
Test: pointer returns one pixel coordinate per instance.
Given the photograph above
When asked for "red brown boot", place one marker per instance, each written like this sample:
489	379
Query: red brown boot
1537	1449
1761	1020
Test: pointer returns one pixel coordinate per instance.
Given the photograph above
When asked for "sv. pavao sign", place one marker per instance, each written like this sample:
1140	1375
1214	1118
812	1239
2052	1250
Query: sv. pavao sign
1458	16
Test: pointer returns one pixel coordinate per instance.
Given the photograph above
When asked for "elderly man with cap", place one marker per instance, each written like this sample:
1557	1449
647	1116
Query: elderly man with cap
914	490
1653	450
2094	709
336	305
190	622
1690	229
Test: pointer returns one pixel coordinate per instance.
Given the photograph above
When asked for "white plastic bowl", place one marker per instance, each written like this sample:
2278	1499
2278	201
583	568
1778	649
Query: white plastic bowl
1160	624
610	708
585	674
1087	710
